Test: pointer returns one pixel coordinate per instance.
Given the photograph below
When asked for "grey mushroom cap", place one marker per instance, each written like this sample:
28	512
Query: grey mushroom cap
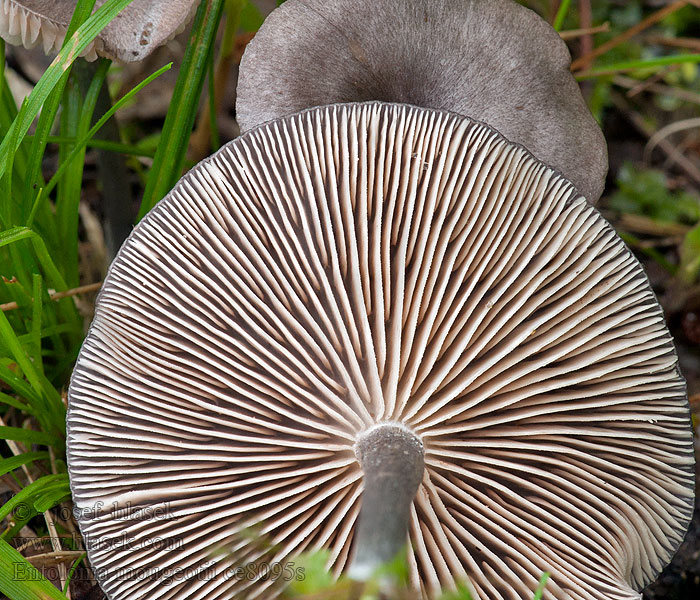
491	60
337	288
138	30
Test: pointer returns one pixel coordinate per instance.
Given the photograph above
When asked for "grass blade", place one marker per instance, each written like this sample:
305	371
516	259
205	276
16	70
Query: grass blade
78	106
22	504
18	385
8	112
73	568
637	65
78	42
29	436
34	343
561	14
49	409
540	588
20	580
14	462
15	403
80	144
21	233
48	115
170	156
128	149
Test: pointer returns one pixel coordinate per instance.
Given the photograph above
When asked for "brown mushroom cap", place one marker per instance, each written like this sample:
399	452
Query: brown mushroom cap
491	60
370	265
138	30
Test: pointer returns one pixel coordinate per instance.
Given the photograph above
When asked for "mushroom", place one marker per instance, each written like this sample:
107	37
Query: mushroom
138	30
491	60
368	327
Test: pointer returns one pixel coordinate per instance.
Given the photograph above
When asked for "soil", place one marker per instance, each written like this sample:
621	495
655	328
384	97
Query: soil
680	580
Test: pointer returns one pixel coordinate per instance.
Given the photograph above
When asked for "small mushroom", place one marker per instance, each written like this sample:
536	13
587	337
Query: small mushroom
374	326
491	60
138	30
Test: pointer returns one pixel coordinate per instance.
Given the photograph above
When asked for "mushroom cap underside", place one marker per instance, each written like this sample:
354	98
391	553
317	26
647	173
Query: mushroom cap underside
138	30
374	263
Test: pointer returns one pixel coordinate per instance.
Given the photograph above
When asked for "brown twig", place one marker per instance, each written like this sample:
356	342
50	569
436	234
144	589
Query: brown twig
664	145
646	84
59	557
648	226
53	534
48	518
83	289
652	19
688	43
16	451
659	136
200	139
688	143
635	87
586	19
572	34
57	550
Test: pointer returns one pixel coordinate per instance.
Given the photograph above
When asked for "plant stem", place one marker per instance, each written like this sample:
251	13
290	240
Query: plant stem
117	200
170	156
561	14
205	132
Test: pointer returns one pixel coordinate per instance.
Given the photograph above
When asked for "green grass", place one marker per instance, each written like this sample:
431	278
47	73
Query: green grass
317	584
40	336
39	238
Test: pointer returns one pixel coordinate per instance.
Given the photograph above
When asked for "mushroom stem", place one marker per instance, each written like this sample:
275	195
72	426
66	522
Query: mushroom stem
391	456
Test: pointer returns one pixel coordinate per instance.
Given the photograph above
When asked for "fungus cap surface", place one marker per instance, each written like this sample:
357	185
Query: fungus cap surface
491	60
368	264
